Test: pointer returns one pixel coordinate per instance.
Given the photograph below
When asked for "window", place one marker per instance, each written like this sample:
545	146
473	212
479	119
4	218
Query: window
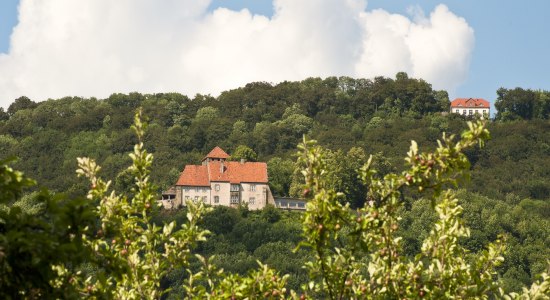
251	200
235	188
196	199
217	187
464	112
204	199
471	112
216	199
168	197
234	199
252	187
187	198
196	189
186	189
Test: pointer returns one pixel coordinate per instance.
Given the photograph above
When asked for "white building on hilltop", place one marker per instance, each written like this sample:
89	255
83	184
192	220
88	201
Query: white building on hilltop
471	107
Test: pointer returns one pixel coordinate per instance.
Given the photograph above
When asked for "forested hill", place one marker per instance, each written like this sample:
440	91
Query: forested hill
509	192
353	117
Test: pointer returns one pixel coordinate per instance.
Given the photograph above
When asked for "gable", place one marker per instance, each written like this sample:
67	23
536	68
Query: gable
470	103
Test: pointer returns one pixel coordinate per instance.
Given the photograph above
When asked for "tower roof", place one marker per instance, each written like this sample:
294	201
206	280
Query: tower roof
217	152
217	169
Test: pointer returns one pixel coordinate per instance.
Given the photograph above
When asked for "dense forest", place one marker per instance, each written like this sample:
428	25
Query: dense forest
508	195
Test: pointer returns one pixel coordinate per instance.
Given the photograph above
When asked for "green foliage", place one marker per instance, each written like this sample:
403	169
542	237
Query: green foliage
510	176
207	114
134	253
267	118
20	104
342	176
358	254
280	175
41	236
7	144
244	152
514	161
221	220
524	104
354	254
3	115
271	214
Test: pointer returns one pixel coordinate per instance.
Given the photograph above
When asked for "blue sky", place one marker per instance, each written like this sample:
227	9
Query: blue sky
8	19
511	44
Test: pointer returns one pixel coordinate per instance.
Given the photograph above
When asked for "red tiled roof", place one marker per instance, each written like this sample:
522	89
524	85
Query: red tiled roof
233	172
194	176
470	102
217	152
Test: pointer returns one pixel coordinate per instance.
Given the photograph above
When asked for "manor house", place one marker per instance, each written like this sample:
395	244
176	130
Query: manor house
471	107
218	181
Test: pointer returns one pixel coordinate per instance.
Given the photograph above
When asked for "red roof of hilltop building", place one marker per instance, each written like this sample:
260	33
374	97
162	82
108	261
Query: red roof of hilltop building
470	102
221	170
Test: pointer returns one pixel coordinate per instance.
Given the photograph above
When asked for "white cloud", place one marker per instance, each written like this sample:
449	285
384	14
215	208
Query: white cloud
436	49
97	47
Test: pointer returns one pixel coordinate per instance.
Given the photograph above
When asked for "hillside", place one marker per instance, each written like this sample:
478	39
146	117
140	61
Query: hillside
509	192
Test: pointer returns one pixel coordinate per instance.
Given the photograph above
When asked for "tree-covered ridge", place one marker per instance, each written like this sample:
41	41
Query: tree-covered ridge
357	254
518	103
351	118
377	115
270	119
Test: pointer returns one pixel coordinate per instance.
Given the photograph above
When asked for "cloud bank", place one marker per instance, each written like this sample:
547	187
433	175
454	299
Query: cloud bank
98	47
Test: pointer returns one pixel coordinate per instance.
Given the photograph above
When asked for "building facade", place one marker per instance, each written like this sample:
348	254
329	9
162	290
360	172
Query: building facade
471	107
289	203
218	181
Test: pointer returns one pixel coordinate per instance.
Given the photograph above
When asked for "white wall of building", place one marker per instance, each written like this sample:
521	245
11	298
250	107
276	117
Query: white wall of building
221	190
195	193
470	111
252	194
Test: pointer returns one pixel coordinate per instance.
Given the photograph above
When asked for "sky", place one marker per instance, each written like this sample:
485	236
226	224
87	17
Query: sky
93	48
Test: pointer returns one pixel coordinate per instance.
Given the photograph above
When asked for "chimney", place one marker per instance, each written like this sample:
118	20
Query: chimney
221	167
242	161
